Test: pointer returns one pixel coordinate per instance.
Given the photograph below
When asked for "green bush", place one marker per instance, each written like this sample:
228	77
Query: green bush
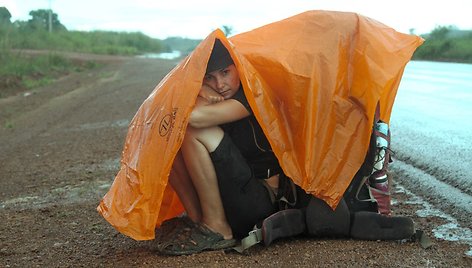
99	42
26	72
446	44
20	35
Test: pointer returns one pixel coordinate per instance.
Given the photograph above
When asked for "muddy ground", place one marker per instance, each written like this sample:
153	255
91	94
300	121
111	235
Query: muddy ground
60	147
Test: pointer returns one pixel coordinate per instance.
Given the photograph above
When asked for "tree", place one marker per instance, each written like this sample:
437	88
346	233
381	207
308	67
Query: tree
5	29
440	32
5	16
228	30
40	20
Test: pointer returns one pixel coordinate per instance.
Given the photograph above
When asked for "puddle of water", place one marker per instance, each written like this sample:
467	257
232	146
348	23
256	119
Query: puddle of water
107	165
450	231
123	123
68	194
64	195
166	55
97	125
415	177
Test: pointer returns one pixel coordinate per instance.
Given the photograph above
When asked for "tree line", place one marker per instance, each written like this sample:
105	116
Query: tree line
446	43
19	72
45	31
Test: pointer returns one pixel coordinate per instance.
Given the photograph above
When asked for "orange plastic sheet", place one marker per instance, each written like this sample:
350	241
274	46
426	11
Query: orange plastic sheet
313	81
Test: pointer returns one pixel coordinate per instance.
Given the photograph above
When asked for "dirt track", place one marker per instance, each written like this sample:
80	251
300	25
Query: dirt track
59	151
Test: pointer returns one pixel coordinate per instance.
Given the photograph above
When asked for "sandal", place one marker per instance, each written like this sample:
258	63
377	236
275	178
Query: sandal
170	226
194	239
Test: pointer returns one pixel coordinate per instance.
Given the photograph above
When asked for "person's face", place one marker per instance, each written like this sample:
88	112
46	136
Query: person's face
224	81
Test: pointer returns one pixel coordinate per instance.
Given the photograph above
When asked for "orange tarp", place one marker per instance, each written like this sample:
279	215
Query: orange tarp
313	81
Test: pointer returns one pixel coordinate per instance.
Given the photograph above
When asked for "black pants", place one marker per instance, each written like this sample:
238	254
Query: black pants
245	199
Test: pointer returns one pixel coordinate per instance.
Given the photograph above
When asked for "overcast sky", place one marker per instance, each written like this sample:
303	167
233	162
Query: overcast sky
197	18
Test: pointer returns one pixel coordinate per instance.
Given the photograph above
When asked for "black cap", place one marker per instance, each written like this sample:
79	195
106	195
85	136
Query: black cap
219	57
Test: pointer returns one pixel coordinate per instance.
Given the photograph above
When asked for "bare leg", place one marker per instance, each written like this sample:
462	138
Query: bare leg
183	186
197	145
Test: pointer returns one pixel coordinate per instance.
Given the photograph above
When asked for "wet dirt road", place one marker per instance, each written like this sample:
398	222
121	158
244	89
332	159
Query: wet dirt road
60	148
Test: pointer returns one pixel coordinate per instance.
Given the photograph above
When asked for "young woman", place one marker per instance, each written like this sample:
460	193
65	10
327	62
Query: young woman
223	158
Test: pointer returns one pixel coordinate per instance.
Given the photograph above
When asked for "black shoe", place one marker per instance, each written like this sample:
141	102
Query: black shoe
322	221
373	226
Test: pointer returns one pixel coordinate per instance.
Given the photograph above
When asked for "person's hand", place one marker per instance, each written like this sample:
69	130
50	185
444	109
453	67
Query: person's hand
210	95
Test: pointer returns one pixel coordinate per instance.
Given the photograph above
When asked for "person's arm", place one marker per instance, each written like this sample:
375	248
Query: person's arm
210	95
206	114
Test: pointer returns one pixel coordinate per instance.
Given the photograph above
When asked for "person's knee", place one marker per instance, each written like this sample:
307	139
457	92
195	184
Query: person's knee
210	137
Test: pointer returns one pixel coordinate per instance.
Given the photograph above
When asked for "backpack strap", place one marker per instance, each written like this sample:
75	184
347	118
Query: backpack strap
254	237
287	221
284	223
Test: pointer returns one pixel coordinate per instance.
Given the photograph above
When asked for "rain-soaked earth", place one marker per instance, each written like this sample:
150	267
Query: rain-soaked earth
60	148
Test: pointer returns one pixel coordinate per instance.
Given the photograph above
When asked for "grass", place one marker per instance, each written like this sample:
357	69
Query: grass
105	75
34	83
8	124
20	72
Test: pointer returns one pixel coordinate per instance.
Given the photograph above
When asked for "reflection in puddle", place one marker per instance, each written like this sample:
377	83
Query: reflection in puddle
450	231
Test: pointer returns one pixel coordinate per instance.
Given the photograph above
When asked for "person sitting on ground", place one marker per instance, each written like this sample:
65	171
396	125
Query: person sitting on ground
223	153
